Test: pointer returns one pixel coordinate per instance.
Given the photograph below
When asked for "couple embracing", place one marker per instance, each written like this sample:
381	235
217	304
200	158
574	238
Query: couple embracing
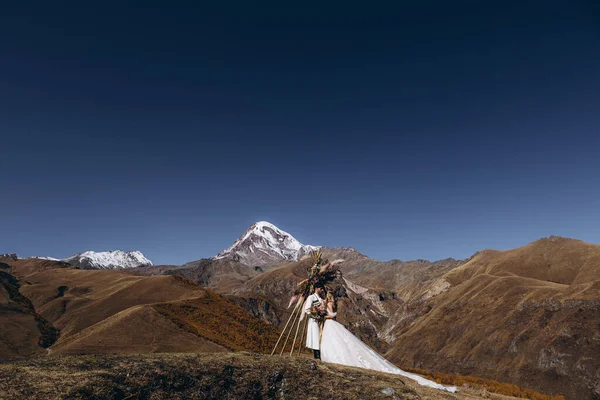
335	344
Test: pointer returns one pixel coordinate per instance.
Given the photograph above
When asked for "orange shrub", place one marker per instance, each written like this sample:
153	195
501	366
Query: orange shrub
204	317
507	389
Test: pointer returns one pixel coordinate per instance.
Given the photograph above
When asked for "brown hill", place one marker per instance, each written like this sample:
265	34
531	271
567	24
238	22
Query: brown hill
554	259
528	315
93	311
138	329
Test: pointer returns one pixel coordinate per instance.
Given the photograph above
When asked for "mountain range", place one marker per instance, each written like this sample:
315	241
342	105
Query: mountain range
527	316
263	245
113	259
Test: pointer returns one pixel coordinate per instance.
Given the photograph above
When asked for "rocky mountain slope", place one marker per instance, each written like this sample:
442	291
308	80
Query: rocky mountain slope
528	316
221	275
376	296
264	244
362	310
409	280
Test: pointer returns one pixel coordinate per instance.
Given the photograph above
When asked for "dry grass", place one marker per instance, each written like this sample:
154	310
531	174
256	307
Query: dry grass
221	321
48	333
206	376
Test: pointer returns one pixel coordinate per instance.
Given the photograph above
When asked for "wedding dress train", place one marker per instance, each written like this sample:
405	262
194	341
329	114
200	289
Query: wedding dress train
340	346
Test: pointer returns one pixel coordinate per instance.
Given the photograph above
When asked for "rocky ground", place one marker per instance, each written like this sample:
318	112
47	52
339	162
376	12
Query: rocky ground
206	376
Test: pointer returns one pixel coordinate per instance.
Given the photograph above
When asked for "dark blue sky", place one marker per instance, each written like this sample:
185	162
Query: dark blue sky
425	131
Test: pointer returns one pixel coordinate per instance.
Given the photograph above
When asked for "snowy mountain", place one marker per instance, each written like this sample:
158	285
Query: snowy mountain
12	256
264	244
115	259
47	258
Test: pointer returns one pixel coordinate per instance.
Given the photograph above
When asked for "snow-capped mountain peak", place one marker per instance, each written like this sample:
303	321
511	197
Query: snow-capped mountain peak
12	256
115	259
264	244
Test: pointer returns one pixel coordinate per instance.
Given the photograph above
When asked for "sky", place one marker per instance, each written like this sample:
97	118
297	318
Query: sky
408	131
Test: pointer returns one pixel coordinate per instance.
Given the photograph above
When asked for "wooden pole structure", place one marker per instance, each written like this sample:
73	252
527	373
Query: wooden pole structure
303	335
284	328
321	324
296	335
295	319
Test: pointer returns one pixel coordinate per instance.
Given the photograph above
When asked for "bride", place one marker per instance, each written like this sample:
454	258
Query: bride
340	346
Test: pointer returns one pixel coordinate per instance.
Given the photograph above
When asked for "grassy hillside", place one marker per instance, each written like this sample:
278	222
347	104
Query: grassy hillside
50	308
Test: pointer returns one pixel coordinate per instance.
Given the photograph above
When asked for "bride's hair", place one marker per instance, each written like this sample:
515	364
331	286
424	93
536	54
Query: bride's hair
331	298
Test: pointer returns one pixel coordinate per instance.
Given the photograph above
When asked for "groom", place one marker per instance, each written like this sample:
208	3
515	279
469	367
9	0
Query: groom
311	308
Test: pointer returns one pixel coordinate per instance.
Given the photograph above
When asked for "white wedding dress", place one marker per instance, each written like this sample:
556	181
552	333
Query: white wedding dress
340	346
